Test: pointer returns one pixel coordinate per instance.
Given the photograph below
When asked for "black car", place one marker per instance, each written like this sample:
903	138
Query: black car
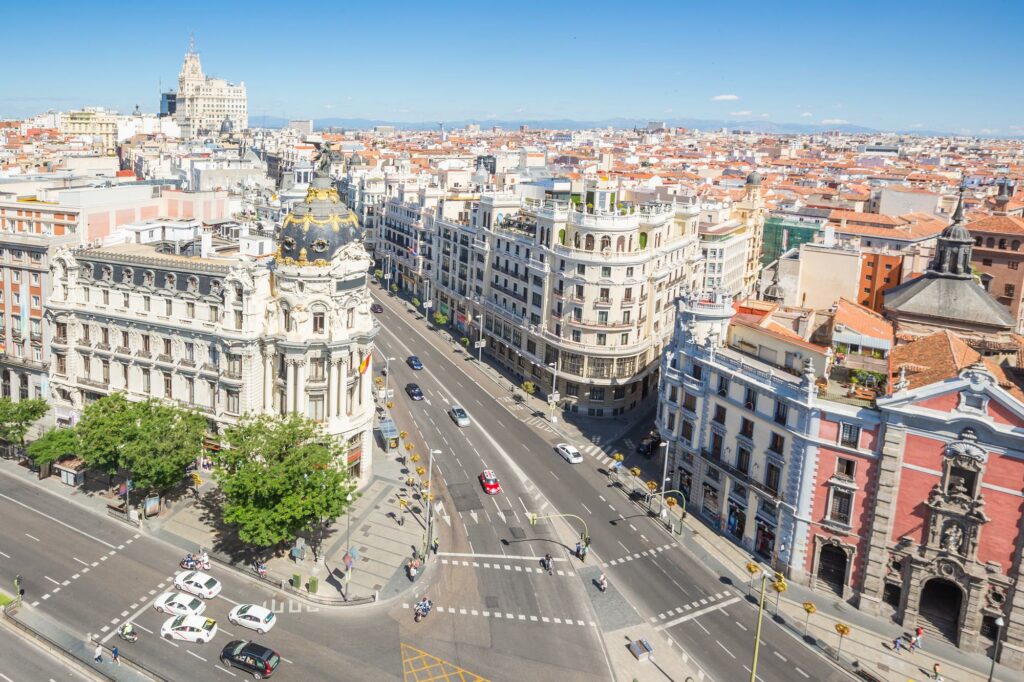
251	657
648	445
414	391
377	308
414	362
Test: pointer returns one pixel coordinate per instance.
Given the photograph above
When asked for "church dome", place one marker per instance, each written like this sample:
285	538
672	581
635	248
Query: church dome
226	126
316	228
754	178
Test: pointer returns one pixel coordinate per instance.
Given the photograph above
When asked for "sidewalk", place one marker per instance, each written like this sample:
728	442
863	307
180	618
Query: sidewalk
868	646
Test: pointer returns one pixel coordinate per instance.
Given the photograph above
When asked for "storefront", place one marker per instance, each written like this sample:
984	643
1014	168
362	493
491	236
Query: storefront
736	520
710	505
764	531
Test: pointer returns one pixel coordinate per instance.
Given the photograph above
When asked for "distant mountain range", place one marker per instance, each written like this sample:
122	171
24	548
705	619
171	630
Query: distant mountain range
759	126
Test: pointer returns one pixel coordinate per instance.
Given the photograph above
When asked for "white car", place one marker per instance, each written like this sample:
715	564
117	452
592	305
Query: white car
459	416
198	584
179	604
253	617
569	453
189	628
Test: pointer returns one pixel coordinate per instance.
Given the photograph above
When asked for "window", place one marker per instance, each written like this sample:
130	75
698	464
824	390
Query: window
85	332
602	339
316	408
842	503
234	364
145	343
190	310
167	347
772	477
961	480
849	435
190	390
604	295
168	387
1013	265
986	261
238	319
719	416
576	336
687	431
168	307
214	313
318	323
626	317
777	444
35	279
690	402
316	369
232	405
572	389
747	428
190	351
579	291
606	271
723	386
62	364
124	339
106	297
750	399
597	393
743	460
581	269
146	387
629	271
845	468
105	336
145	303
602	317
781	412
1009	289
624	337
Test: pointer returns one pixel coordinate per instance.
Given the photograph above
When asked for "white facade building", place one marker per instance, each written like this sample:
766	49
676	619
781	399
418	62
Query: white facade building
205	103
224	332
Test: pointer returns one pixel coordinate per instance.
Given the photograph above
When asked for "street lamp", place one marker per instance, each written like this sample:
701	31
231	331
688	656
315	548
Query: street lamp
553	396
995	652
348	527
430	507
480	339
664	470
387	382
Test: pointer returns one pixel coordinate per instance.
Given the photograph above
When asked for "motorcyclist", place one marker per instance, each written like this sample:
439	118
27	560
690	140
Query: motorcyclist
204	559
189	562
602	582
127	630
423	607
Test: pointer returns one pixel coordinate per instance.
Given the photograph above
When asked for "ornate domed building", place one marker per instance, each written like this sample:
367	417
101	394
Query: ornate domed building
321	328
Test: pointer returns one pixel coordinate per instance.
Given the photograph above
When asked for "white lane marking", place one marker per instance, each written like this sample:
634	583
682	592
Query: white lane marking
51	580
553	475
585	507
783	658
52	518
79	561
32	537
225	670
143	628
802	673
200	657
724	649
230	601
7	556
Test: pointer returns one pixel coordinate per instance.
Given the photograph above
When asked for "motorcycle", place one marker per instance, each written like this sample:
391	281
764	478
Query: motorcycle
422	610
188	563
127	633
195	562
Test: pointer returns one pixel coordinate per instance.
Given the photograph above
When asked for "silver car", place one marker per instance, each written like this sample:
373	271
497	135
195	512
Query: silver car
459	416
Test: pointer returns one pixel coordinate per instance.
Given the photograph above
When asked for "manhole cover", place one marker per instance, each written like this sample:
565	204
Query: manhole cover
517	532
464	496
491	602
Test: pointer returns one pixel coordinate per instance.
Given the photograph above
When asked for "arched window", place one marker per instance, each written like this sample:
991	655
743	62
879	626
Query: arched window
286	318
643	240
589	243
620	244
977	241
1015	245
990	242
561	236
606	243
1002	243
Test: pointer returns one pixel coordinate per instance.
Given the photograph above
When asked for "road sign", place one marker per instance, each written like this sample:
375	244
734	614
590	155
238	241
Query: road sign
428	304
480	344
554	397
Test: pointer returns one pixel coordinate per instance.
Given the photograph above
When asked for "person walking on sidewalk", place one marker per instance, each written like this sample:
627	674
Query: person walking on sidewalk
98	654
115	655
915	641
897	645
437	543
935	672
579	550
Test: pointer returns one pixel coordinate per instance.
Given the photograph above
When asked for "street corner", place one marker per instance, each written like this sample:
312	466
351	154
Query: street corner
420	666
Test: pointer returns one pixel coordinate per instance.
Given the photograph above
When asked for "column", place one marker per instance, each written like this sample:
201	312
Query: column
301	401
332	386
290	388
342	388
268	381
877	555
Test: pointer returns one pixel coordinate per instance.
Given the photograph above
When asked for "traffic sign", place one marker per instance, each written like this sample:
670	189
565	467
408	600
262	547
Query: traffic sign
480	344
554	397
428	304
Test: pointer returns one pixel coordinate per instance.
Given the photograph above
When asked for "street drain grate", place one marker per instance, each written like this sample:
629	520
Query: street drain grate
517	533
491	602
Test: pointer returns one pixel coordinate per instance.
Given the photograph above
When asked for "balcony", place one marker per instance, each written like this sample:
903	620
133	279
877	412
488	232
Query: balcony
603	302
742	476
60	340
86	381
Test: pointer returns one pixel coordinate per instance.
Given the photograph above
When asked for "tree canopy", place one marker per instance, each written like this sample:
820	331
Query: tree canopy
53	445
280	477
17	417
152	440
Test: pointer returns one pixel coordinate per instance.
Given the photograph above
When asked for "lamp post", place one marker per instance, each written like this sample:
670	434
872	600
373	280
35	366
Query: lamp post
553	396
757	633
664	469
480	339
995	652
348	528
430	507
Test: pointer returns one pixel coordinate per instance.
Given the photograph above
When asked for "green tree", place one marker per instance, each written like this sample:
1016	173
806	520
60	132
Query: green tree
151	440
281	477
53	446
440	319
529	388
17	417
379	274
415	302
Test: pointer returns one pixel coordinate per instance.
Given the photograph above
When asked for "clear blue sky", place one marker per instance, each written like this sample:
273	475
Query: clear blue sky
893	65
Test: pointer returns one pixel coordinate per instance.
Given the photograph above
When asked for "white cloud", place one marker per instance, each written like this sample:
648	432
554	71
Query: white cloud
520	110
1017	127
917	125
989	131
807	114
740	113
834	121
725	98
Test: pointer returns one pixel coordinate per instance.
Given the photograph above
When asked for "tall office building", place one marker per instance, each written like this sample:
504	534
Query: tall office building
204	104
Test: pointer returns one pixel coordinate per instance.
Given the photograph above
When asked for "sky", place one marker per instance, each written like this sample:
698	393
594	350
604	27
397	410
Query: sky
894	65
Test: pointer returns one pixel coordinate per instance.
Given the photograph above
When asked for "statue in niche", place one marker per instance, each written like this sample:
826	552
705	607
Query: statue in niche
952	537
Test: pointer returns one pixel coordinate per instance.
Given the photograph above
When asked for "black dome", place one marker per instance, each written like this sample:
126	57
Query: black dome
315	229
226	126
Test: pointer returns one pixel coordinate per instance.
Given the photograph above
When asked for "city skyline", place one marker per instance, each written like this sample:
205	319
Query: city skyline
828	68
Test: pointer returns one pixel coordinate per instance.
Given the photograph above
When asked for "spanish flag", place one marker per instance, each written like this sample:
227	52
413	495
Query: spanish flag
365	364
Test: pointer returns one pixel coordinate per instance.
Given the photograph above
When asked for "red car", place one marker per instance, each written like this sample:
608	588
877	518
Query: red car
490	482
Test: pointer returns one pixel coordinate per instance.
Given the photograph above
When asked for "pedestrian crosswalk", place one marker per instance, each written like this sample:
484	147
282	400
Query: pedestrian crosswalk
505	615
694	609
639	555
511	568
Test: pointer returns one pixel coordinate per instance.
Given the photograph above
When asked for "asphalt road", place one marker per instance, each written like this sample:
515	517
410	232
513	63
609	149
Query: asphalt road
22	661
660	578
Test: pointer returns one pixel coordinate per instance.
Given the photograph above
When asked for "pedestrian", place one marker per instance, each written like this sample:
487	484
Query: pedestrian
897	645
935	672
116	655
920	636
579	550
547	564
412	572
98	654
415	554
437	543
